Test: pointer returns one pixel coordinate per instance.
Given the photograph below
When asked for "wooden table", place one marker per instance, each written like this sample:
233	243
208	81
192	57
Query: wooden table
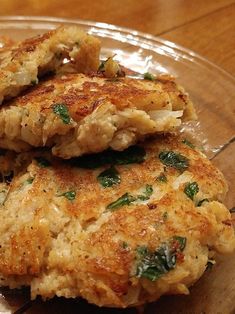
205	26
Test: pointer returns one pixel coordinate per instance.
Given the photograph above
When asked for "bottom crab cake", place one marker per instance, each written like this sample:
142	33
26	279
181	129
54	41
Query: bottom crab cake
116	228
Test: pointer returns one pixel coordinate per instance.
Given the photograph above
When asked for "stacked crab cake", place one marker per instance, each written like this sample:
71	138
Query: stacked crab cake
21	64
77	114
116	228
120	227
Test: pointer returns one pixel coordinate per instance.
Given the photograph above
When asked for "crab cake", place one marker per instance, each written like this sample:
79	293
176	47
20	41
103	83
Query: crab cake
116	228
21	64
77	114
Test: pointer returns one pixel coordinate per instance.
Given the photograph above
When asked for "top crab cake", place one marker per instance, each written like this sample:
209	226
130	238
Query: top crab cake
23	62
77	114
132	226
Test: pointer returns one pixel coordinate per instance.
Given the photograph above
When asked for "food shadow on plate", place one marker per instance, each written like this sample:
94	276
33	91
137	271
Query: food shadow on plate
19	302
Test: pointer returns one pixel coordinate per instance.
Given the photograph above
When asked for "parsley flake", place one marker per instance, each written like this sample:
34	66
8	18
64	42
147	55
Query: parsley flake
149	76
124	245
34	82
42	162
191	189
109	177
162	178
70	195
125	199
29	180
154	264
62	111
188	143
165	216
174	160
147	193
101	66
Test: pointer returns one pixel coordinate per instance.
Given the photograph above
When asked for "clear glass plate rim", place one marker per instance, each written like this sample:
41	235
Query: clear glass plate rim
138	34
141	35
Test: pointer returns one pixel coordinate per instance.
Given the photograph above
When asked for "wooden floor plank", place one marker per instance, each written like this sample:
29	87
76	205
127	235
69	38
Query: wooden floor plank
212	36
148	16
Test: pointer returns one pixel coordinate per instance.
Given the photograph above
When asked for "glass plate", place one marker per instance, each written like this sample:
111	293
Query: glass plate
213	93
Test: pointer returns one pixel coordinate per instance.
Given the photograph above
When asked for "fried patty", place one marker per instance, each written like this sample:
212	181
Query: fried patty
77	114
21	64
116	228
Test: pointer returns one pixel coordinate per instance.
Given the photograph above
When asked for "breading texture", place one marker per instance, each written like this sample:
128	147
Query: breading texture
77	114
23	63
121	239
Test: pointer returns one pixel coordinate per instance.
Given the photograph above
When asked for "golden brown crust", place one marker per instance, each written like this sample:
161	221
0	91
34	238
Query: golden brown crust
101	113
22	63
87	250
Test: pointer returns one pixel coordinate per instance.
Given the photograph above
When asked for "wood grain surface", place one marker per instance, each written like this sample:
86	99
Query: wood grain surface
205	26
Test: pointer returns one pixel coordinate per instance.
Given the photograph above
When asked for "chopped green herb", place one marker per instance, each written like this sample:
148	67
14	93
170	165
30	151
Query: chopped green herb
125	199
202	201
133	154
42	162
148	190
202	149
191	189
165	216
34	82
153	265
142	250
175	160
101	66
142	197
124	245
162	178
62	111
30	180
188	143
147	193
109	177
149	76
70	195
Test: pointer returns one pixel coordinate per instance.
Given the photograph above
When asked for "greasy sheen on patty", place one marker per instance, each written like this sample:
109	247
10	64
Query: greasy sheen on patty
116	228
22	63
77	114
